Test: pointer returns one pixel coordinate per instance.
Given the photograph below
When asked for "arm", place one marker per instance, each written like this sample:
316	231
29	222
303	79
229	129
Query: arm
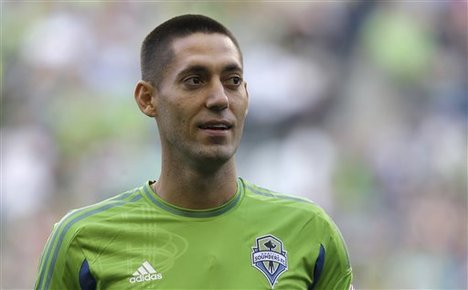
332	268
61	261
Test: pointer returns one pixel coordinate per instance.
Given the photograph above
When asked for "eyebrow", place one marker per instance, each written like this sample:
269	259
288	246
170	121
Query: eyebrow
201	69
232	67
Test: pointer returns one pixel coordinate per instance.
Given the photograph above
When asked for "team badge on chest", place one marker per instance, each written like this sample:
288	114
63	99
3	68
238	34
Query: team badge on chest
269	257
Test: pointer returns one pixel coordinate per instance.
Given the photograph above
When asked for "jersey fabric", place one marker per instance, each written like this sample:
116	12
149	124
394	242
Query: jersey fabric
258	240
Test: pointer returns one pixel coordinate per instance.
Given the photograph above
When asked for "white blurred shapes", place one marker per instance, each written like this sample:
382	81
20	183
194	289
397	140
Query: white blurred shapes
308	161
112	69
281	85
59	40
447	149
301	164
27	164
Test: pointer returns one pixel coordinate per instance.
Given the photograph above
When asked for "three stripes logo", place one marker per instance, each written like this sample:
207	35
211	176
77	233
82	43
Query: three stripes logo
145	273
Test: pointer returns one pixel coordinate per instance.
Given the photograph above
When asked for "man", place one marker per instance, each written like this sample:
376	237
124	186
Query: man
198	226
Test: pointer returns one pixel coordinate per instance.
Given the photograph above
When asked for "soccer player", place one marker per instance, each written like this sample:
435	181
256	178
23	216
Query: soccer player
198	226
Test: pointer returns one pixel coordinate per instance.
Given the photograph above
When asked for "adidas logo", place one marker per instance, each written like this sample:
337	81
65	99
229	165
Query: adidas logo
145	272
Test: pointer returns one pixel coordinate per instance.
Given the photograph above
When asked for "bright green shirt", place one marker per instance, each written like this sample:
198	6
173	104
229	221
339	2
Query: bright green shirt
258	240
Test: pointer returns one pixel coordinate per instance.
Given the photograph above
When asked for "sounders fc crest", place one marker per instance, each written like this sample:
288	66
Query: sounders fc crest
269	256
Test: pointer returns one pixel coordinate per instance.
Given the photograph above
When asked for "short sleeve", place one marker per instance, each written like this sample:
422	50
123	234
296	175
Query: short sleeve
337	271
60	262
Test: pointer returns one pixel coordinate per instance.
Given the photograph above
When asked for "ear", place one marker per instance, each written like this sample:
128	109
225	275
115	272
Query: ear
247	95
144	97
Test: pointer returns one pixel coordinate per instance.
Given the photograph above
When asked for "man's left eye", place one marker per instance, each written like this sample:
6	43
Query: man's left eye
235	81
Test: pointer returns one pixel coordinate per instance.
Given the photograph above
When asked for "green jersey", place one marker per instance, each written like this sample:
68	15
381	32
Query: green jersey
257	240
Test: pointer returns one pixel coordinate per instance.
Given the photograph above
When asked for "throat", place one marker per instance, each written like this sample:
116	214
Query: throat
197	191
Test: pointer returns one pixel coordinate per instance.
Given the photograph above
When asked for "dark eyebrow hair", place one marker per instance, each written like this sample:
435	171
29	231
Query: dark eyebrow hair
193	69
201	69
233	67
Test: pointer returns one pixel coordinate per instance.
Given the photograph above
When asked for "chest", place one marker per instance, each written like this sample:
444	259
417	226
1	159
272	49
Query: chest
203	255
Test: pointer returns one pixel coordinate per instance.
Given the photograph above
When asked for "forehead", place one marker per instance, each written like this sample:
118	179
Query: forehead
204	49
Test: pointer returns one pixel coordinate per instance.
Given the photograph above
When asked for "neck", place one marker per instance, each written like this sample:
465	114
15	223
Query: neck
196	188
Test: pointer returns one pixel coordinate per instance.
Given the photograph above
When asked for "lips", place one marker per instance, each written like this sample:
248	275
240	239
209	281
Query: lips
216	125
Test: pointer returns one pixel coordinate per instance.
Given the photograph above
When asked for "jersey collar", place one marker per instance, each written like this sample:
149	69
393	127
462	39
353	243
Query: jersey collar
193	213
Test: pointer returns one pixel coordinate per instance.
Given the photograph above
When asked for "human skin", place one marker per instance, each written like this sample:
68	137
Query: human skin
200	107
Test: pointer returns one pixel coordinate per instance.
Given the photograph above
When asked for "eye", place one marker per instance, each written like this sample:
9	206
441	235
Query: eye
234	81
193	81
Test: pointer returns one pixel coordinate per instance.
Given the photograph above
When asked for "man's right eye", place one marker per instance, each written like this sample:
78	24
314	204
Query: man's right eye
193	81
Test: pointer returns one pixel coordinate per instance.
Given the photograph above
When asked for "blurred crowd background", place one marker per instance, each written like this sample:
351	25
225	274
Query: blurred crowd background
360	106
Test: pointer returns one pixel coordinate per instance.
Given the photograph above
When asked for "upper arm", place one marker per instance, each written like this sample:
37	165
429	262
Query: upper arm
336	272
61	260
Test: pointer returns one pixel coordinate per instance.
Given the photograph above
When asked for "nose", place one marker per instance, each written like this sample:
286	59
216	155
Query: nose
217	99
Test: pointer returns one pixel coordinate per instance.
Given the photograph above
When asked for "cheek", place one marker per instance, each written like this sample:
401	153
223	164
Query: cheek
177	116
239	107
167	116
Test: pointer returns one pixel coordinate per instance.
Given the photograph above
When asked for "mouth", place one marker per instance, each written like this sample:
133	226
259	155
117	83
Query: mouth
215	125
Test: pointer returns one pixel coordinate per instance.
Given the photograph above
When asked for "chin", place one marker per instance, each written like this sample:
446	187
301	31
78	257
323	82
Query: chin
215	156
220	157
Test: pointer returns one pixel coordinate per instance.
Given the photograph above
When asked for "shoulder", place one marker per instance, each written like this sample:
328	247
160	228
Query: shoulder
62	250
312	218
278	200
75	220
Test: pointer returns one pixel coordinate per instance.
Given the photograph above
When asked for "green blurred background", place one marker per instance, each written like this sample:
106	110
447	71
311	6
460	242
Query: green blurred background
360	106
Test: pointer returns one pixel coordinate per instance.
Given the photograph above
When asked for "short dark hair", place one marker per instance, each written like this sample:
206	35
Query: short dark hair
156	51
